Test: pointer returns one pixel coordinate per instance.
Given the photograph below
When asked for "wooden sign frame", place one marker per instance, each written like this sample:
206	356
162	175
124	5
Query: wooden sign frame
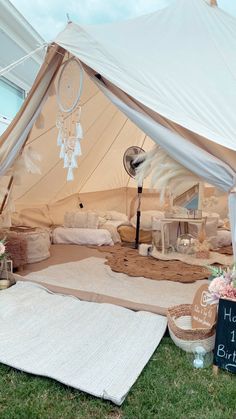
203	314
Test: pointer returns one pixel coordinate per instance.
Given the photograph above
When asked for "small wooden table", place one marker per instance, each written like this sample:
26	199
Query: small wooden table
166	221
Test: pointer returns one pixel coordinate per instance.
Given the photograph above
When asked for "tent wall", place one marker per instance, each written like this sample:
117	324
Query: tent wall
121	200
107	134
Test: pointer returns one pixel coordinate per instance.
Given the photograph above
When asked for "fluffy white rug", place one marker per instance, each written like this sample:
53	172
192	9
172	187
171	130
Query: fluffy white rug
97	348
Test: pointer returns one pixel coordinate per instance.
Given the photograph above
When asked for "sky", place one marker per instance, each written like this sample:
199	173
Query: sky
48	17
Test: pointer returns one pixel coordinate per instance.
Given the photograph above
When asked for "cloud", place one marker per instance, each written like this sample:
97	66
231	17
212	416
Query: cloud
48	17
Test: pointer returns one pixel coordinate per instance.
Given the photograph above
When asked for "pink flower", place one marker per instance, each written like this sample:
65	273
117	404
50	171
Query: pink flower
217	285
229	292
2	249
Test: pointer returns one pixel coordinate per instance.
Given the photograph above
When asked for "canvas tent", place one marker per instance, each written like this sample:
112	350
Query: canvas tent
168	76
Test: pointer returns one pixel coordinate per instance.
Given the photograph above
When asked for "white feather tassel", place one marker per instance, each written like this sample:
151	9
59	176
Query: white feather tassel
66	161
59	138
73	162
79	131
70	175
62	151
77	150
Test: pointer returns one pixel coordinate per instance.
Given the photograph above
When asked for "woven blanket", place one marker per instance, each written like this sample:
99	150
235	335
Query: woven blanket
91	280
97	348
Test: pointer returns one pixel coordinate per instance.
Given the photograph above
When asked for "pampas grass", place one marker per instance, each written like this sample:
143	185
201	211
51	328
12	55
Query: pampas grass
166	173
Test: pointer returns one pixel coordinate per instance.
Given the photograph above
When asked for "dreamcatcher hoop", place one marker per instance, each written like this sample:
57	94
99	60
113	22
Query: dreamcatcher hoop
65	81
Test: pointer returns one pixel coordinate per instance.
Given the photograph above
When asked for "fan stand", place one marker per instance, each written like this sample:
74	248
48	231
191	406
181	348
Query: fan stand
140	190
130	166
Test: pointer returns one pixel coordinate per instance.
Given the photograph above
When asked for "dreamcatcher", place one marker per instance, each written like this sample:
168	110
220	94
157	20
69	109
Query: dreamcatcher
69	89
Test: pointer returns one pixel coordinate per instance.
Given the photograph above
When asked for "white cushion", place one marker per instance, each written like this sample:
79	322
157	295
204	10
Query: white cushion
218	204
213	215
92	220
116	216
211	228
223	238
81	219
85	236
146	219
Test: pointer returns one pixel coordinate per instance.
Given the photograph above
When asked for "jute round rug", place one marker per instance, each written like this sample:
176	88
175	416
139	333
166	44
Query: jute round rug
128	261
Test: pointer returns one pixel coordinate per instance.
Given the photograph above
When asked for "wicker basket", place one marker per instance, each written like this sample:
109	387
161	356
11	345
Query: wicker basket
181	332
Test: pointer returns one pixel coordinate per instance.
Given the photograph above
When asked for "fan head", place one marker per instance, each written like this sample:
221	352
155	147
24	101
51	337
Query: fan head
129	158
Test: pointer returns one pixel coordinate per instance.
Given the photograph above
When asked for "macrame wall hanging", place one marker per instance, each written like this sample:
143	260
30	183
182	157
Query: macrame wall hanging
69	90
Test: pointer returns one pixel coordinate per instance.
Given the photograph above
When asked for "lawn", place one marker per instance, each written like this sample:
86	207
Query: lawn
168	388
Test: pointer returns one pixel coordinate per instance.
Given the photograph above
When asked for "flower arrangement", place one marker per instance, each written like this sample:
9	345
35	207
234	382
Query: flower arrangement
223	284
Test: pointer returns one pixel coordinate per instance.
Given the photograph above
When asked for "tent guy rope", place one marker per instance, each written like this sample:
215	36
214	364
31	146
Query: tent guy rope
22	59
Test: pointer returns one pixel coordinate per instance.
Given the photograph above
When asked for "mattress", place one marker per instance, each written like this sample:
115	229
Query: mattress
83	236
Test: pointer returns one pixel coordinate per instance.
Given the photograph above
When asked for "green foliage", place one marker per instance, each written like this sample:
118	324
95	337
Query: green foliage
168	388
215	271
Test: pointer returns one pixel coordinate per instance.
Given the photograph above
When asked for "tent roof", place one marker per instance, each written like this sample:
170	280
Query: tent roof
181	61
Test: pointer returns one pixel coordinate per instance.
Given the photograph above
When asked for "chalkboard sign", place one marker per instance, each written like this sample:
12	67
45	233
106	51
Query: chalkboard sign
225	346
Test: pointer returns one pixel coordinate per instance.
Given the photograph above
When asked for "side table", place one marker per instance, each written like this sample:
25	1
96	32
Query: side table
164	222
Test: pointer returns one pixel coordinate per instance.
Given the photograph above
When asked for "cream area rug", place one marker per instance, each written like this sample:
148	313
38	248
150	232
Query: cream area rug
98	348
215	257
91	280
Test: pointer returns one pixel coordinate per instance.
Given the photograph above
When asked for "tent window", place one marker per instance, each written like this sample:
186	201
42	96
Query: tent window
11	98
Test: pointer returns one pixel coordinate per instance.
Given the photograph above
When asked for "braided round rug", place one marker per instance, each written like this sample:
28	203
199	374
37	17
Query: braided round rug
128	261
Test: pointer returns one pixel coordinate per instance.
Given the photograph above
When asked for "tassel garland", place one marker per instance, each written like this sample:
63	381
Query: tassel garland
70	133
70	175
59	138
62	152
66	162
79	131
77	150
73	162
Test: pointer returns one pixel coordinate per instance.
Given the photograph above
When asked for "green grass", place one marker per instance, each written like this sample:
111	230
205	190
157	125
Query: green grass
168	388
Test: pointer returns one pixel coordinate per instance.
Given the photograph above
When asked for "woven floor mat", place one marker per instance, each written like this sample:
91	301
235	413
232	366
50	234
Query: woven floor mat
128	261
226	250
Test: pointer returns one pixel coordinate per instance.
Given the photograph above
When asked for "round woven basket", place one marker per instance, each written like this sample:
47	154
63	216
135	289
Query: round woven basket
181	332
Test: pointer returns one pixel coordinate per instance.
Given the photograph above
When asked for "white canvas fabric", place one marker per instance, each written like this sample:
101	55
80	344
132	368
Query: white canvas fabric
179	62
168	76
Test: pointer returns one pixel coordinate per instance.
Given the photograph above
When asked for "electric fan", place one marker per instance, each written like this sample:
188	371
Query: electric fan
130	165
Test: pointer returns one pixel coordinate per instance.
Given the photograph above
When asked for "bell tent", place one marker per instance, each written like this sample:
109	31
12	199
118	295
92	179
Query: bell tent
166	78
